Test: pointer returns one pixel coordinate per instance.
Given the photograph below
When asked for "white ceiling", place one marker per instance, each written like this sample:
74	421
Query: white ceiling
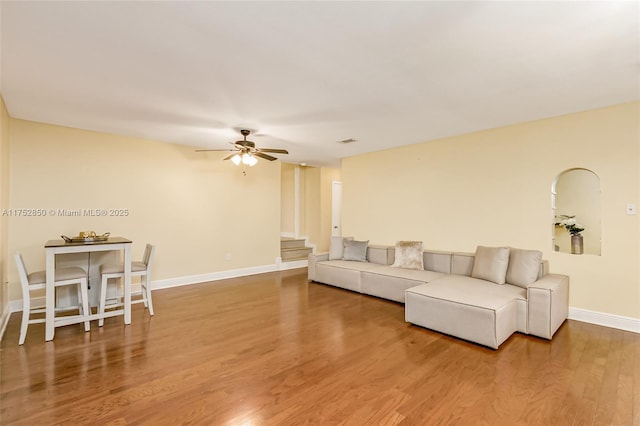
309	74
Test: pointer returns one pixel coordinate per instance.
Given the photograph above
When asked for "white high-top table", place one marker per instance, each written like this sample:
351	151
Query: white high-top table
54	247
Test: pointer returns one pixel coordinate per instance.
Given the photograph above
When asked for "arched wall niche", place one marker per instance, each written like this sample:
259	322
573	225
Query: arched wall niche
576	198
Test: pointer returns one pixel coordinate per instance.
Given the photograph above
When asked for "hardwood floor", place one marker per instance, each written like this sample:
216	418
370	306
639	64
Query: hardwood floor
274	349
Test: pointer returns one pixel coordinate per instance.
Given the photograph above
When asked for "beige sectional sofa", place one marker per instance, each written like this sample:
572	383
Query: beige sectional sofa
443	296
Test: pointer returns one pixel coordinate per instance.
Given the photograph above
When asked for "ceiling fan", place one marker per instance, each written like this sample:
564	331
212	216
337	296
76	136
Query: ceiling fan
245	151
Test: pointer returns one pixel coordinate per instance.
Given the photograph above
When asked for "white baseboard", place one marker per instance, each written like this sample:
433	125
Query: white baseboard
4	320
294	264
212	276
607	320
223	275
16	305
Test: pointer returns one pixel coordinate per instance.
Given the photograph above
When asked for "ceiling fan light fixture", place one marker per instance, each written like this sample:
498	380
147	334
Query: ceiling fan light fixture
249	160
246	153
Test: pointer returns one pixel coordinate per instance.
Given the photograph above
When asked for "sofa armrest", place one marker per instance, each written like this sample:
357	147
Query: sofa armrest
548	300
313	259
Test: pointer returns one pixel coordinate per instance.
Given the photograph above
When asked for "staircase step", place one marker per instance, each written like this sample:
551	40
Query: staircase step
295	253
286	243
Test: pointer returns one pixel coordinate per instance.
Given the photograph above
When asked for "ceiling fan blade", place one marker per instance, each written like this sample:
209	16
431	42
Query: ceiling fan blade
265	156
207	150
230	156
275	151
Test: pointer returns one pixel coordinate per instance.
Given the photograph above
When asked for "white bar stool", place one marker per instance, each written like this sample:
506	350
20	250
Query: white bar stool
138	269
37	281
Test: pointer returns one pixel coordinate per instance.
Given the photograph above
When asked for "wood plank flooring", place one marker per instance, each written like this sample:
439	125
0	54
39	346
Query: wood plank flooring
273	349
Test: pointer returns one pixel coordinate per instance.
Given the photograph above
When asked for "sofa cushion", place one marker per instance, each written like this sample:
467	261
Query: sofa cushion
409	255
462	263
491	264
336	247
438	261
471	291
348	264
524	266
465	307
390	283
382	255
421	276
342	273
355	250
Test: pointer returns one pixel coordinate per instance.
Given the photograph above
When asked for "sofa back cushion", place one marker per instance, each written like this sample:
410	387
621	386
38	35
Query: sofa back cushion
544	268
462	264
438	261
524	267
382	255
491	264
336	247
409	255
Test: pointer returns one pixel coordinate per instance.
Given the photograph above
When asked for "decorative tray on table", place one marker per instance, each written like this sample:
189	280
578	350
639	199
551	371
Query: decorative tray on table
86	237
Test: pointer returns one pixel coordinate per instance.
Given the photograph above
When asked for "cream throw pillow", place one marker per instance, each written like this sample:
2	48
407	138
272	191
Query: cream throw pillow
409	255
336	247
491	264
355	250
523	267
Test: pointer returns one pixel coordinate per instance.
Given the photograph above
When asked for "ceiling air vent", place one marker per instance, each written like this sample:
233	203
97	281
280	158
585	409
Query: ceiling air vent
345	141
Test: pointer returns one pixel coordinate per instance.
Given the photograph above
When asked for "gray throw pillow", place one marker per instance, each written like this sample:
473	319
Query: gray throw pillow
336	247
409	255
355	250
524	266
490	263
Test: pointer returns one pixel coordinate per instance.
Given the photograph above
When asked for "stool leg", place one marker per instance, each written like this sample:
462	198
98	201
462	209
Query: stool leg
84	294
103	298
26	311
147	293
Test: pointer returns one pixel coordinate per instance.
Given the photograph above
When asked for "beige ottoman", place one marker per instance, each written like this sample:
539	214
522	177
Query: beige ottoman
469	308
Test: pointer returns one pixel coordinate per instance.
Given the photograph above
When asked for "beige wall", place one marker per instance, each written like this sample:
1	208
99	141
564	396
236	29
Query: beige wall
4	204
312	203
493	188
195	207
287	203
